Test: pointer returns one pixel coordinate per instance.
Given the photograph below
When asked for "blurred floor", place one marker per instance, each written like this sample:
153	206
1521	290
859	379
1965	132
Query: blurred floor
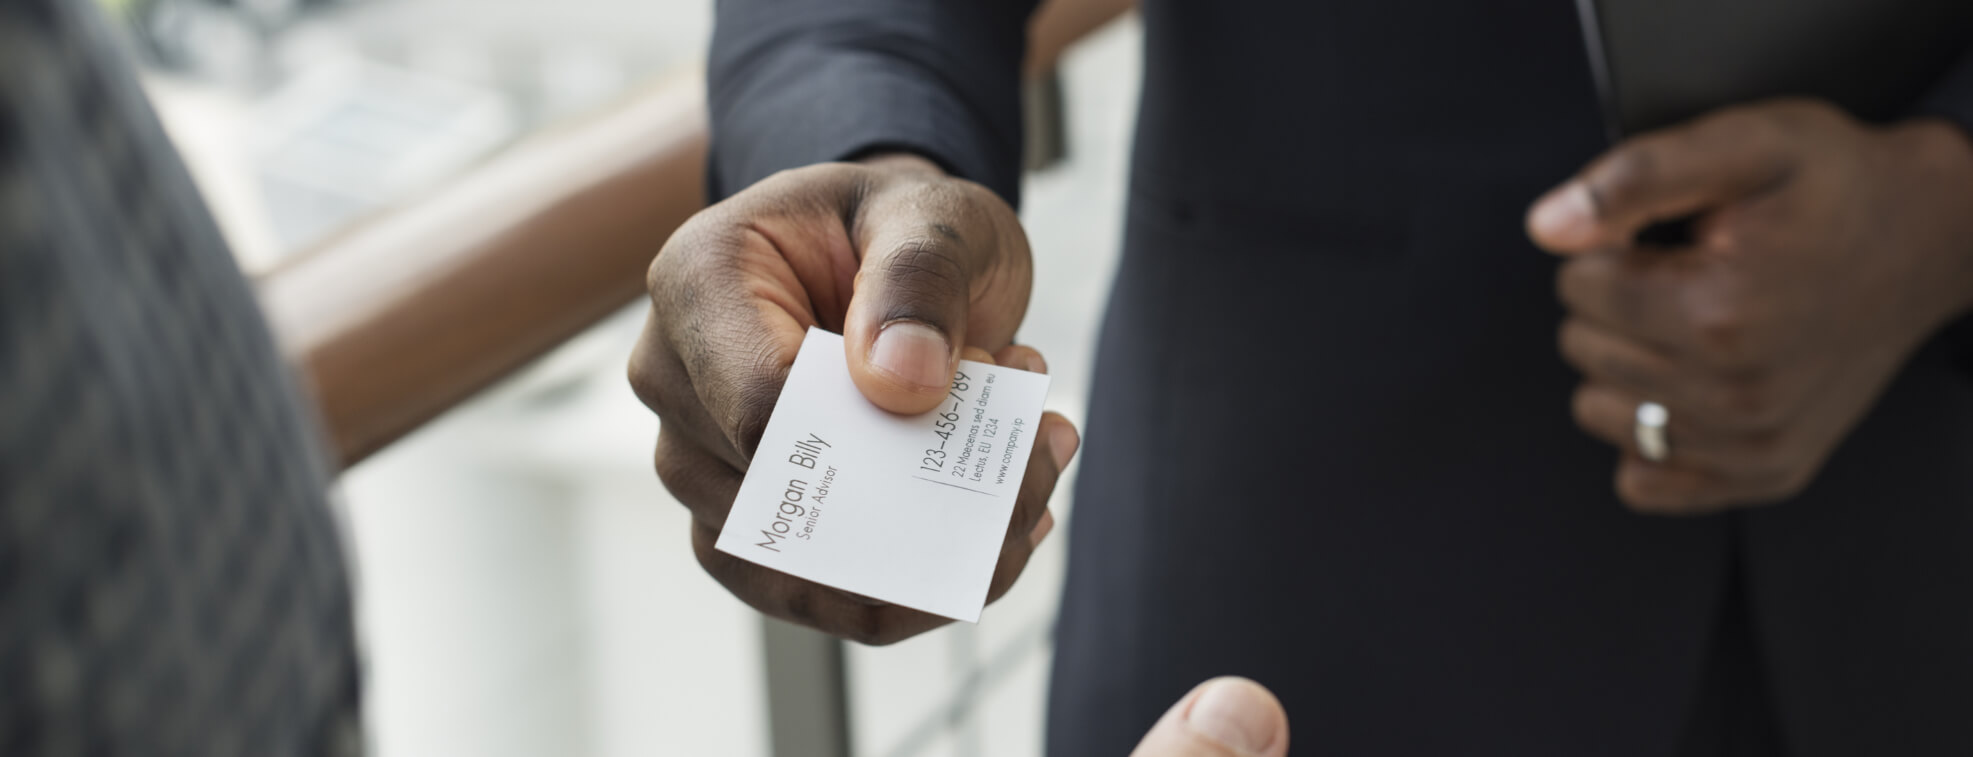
526	585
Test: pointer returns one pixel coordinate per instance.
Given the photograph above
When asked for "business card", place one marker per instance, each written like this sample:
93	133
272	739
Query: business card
911	510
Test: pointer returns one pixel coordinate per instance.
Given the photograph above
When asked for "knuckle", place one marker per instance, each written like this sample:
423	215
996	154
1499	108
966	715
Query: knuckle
788	598
653	377
1721	335
946	195
818	608
1763	460
1579	349
1642	497
952	198
874	634
1655	491
1566	339
1627	172
691	264
749	422
799	606
1565	284
1777	471
666	462
646	368
1577	279
664	267
1788	115
1582	407
739	372
645	383
678	474
754	399
685	246
656	272
1747	402
744	398
1735	229
1617	366
1756	123
803	179
987	216
726	569
802	607
1740	124
712	563
925	266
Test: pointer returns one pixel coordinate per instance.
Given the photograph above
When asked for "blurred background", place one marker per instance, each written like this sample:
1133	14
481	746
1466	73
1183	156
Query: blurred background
525	585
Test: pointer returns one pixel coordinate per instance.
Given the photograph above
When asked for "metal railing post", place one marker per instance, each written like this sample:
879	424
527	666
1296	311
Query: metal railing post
807	691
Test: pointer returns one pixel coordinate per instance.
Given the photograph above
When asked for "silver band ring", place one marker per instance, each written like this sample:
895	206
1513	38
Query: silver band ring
1650	432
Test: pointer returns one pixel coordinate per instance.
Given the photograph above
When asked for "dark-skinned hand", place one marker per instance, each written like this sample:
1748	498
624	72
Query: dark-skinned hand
1824	252
916	269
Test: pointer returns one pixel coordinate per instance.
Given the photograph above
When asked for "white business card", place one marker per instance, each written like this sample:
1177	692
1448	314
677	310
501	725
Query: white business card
911	510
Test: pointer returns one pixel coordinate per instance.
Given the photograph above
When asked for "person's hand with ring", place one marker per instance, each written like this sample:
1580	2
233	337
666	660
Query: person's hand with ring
1824	251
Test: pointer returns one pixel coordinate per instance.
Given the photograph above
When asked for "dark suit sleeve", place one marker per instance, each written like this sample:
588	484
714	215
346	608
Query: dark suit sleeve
1953	98
795	82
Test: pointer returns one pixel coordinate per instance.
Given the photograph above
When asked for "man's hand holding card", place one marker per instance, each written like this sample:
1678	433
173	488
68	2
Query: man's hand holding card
906	509
917	270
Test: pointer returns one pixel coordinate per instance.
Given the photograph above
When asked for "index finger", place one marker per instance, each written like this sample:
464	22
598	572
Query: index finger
1662	176
734	313
1637	294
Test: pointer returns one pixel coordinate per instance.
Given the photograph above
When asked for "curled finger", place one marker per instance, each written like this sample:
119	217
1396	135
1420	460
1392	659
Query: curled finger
1055	443
702	482
806	603
1609	413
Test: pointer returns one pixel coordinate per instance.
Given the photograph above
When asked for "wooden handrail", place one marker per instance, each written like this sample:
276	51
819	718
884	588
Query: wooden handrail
1059	24
406	315
401	318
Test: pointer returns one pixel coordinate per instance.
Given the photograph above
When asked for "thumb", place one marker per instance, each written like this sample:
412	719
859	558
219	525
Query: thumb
925	255
1223	717
907	319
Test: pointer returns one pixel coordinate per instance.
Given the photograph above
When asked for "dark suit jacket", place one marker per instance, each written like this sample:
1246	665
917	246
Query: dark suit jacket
1330	444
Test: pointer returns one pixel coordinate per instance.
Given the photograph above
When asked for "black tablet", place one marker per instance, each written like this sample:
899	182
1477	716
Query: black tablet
1658	62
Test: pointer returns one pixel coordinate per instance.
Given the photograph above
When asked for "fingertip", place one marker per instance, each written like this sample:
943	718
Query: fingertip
1022	357
1238	713
1564	220
1041	529
906	367
1063	440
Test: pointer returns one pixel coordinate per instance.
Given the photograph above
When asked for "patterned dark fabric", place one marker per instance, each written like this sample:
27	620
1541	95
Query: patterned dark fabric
170	574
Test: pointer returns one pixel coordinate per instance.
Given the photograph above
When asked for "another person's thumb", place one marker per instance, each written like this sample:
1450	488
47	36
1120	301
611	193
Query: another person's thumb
1223	717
